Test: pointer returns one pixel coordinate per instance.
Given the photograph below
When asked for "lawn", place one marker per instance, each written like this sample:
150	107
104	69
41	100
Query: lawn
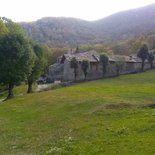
113	116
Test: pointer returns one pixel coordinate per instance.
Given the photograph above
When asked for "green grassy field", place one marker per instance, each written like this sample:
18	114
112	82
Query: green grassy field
114	116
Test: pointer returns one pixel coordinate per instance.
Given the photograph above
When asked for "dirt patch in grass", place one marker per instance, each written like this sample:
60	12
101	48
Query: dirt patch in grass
110	109
110	106
118	105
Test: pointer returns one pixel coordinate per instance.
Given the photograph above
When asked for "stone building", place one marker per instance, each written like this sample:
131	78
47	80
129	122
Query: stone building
62	70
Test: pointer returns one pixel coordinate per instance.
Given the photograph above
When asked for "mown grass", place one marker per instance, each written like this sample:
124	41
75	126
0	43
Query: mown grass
113	116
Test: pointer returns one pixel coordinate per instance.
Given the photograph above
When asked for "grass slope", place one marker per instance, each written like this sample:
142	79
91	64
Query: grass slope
109	116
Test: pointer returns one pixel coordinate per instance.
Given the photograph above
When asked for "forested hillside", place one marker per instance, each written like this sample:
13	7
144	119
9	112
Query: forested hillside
69	31
61	31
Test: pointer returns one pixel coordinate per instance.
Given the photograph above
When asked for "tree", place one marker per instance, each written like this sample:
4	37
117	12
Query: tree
143	54
13	27
104	60
85	65
120	62
15	59
151	59
3	28
55	53
74	65
38	67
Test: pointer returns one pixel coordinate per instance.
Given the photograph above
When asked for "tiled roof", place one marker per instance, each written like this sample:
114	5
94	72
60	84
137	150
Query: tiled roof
93	56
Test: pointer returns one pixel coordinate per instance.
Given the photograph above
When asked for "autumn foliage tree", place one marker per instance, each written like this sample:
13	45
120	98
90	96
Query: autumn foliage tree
3	28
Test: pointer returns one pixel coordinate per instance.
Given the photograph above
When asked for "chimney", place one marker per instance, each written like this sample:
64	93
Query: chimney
69	51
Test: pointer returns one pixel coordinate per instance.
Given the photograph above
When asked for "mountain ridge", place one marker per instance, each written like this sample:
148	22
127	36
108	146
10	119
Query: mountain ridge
62	31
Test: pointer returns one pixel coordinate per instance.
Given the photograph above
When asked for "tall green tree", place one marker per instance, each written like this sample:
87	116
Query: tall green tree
85	65
143	54
16	58
104	60
38	67
151	59
74	65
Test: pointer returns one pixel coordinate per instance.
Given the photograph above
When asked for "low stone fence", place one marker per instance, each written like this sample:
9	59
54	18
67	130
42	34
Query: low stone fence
50	86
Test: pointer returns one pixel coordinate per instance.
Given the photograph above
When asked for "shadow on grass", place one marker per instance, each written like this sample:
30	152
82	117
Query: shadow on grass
150	105
118	105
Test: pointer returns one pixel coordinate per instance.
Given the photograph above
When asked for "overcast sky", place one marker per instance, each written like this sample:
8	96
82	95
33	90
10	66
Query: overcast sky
30	10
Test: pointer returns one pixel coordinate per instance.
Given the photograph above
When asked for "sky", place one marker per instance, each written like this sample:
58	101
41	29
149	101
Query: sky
31	10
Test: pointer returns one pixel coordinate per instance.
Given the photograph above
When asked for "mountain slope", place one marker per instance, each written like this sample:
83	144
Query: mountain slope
61	31
129	23
70	31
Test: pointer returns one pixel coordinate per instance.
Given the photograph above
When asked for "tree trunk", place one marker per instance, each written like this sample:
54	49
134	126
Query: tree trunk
10	91
75	74
117	71
104	70
85	75
142	65
151	64
29	90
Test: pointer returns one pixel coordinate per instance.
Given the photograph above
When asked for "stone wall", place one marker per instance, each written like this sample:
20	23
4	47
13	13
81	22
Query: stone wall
95	71
56	71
